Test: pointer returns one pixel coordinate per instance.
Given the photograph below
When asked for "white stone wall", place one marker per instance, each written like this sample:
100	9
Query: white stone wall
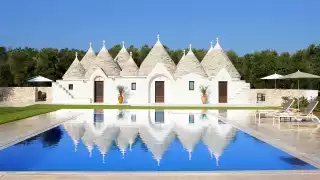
132	96
176	90
273	97
22	96
182	94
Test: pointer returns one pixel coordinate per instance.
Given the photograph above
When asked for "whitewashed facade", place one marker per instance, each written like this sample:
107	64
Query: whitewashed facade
176	84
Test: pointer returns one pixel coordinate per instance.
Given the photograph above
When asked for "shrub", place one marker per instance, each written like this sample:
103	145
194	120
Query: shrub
303	101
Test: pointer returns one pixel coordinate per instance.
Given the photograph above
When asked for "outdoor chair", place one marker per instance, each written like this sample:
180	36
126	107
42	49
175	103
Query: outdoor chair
286	108
308	115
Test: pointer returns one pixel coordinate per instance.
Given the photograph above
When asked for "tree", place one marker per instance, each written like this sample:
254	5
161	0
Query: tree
19	64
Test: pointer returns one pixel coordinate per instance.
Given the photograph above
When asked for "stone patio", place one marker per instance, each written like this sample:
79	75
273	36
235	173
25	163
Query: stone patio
261	175
17	131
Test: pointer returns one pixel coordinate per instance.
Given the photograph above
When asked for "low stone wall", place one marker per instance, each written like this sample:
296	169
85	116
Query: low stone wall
22	96
273	97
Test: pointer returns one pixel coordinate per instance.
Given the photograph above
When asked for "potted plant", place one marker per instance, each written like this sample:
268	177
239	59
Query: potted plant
120	115
121	91
204	114
203	90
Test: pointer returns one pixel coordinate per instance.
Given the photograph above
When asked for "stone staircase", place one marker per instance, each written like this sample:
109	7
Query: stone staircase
65	90
240	91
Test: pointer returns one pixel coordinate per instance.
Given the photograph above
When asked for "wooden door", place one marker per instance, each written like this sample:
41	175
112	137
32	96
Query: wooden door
223	92
98	91
159	91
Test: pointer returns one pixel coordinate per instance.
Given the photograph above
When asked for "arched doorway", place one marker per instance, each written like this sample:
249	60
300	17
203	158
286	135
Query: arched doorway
98	89
159	87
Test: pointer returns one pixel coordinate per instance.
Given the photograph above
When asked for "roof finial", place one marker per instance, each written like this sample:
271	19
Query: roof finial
103	155
217	46
122	44
190	47
184	52
158	37
76	55
190	154
211	46
90	45
130	54
103	43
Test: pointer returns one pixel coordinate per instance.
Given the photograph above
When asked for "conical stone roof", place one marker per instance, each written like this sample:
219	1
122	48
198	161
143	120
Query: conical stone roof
104	61
129	67
217	140
105	140
88	58
75	71
122	57
75	130
189	64
189	136
158	54
216	59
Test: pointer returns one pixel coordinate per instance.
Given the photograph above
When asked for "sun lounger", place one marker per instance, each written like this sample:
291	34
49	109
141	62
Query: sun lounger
286	108
308	115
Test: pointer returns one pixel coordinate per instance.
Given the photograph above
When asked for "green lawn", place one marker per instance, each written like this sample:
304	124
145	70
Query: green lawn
9	114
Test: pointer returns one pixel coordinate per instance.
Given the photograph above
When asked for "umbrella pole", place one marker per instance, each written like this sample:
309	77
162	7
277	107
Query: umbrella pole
275	84
298	95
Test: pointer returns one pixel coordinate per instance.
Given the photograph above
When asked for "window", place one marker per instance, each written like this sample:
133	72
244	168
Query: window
159	117
133	86
191	118
261	97
133	118
191	85
70	86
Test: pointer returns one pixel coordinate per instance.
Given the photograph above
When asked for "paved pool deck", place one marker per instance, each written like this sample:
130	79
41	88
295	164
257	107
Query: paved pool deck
299	139
17	131
259	175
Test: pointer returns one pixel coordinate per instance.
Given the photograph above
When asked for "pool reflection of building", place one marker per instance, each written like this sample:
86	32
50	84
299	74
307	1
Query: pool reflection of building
157	130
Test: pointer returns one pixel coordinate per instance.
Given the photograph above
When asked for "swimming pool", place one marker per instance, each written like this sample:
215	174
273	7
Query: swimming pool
145	140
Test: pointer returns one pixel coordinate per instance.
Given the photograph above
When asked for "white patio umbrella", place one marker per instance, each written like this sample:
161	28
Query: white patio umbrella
299	75
273	76
39	79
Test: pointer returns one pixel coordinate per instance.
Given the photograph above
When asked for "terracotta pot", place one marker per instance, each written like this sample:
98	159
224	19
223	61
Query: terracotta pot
120	99
204	98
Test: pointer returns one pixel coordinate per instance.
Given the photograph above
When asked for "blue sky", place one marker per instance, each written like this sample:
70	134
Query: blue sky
242	25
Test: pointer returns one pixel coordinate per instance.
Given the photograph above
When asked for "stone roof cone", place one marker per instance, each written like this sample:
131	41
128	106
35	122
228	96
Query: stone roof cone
157	142
158	54
75	71
217	138
75	130
88	58
104	61
189	135
122	57
104	141
216	59
88	139
129	67
189	64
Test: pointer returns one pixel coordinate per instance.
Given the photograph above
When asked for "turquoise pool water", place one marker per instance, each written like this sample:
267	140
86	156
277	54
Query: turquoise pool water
103	140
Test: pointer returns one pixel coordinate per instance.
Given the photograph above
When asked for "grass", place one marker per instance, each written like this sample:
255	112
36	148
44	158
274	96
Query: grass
9	114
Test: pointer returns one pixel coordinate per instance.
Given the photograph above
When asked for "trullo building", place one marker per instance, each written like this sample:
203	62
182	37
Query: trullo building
94	78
